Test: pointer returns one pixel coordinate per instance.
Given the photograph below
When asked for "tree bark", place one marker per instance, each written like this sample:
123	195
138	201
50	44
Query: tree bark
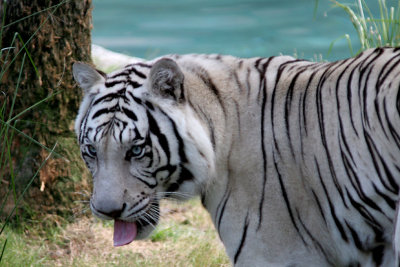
48	36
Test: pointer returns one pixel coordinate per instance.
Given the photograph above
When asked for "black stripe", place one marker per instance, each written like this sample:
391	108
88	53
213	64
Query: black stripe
169	168
369	66
355	182
278	77
313	239
321	123
205	77
221	212
398	102
112	96
106	110
380	79
378	85
377	254
162	140
101	127
138	73
136	99
282	68
242	240
304	104
319	206
210	125
134	84
331	207
390	202
150	185
343	140
185	175
149	105
288	104
107	98
369	218
350	95
355	237
300	126
286	199
125	72
109	84
392	129
141	65
237	81
181	145
373	151
130	114
263	91
83	123
248	84
365	99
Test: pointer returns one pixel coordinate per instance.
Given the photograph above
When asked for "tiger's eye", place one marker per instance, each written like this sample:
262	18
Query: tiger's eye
136	150
91	150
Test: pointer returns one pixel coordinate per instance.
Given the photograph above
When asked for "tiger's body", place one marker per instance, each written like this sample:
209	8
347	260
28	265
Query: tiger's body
298	163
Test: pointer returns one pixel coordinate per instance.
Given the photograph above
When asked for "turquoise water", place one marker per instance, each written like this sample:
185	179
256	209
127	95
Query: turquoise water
244	28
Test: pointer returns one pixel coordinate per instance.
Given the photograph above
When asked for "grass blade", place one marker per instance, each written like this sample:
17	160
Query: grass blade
345	36
31	139
2	25
4	248
32	107
29	55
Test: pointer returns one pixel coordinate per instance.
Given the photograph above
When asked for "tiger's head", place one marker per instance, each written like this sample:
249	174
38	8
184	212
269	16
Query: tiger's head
141	142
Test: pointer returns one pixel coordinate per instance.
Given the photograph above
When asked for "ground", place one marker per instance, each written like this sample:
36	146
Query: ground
185	237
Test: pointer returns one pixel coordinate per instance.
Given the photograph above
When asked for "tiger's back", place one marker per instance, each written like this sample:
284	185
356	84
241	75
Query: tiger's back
305	162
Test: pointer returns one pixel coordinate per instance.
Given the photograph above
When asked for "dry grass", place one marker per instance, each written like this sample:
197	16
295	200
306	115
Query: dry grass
185	237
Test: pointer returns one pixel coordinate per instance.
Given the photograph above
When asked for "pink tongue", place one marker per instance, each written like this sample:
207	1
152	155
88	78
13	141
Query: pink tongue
124	232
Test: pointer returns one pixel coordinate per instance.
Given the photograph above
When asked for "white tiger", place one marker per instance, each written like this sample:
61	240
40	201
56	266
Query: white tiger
297	162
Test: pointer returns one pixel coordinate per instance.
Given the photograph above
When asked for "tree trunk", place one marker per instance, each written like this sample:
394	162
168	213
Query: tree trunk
40	41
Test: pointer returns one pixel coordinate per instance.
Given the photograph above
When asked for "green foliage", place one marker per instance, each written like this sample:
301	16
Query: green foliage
170	233
372	31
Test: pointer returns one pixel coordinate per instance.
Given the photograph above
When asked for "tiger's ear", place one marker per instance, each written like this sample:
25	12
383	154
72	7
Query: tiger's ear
87	76
166	79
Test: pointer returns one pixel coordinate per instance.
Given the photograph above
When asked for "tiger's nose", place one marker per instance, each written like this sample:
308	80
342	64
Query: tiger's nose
108	208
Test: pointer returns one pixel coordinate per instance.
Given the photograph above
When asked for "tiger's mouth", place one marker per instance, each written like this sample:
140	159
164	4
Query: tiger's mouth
134	221
127	231
124	232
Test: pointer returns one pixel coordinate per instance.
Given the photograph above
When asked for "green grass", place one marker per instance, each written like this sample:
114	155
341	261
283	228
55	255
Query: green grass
22	251
372	31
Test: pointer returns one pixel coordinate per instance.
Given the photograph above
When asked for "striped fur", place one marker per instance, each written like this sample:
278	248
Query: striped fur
297	162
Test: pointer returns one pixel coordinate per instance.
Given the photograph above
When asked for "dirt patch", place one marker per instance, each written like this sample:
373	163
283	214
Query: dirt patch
88	241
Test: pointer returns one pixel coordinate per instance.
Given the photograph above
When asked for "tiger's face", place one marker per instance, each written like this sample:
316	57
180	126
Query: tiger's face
137	152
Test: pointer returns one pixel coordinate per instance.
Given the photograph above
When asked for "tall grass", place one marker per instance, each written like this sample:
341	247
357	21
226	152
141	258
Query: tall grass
9	129
380	31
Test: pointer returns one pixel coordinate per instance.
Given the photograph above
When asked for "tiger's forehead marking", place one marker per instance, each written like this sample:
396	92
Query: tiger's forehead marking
132	75
117	110
118	115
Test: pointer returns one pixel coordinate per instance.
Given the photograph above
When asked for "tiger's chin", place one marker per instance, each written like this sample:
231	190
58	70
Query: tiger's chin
128	229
